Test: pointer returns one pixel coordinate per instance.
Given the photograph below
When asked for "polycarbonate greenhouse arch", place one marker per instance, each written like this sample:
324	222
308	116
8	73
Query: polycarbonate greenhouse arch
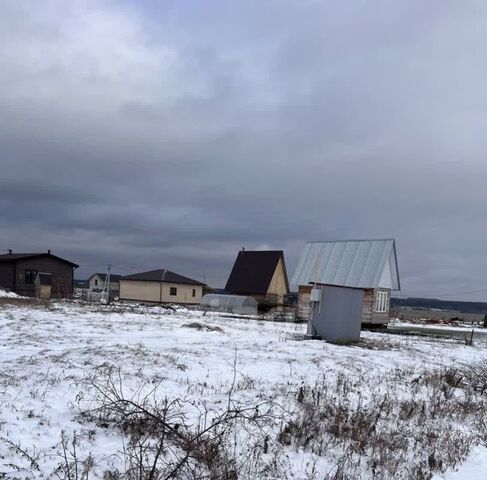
238	304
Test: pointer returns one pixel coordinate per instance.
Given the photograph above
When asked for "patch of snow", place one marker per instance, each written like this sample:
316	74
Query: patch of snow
5	294
474	468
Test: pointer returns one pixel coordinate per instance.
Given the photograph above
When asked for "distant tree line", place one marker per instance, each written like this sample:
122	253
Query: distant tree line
430	303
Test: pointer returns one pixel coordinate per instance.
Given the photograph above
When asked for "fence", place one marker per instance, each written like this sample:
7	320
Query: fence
92	295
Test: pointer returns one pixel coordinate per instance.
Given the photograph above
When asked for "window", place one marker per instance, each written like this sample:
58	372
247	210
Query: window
30	276
194	292
96	282
173	291
381	301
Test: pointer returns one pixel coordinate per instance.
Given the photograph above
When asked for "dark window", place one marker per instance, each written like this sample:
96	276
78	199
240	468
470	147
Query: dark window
96	281
173	291
194	292
30	276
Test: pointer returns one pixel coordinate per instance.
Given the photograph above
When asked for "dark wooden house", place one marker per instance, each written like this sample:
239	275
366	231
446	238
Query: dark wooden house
18	272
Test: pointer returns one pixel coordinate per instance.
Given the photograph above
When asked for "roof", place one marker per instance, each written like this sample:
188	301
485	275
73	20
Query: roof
349	263
163	276
253	271
103	276
14	257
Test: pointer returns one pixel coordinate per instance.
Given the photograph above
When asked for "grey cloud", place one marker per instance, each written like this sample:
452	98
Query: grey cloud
171	136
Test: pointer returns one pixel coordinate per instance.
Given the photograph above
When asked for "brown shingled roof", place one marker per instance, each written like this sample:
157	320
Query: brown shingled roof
161	275
13	257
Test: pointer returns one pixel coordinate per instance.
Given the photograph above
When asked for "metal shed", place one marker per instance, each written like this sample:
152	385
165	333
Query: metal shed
229	304
336	315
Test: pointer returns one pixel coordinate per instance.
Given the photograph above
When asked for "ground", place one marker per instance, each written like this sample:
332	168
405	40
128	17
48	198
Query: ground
52	357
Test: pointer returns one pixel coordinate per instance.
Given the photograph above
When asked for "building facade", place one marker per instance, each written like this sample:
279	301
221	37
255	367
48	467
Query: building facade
97	281
161	286
18	272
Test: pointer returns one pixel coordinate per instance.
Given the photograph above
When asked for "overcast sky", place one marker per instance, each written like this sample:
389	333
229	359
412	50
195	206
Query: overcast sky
169	134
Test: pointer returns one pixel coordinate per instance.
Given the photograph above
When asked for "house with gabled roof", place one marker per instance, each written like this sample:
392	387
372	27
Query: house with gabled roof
261	274
370	265
97	281
161	286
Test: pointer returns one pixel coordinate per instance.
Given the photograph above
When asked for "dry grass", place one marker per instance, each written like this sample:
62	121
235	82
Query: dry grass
203	326
395	425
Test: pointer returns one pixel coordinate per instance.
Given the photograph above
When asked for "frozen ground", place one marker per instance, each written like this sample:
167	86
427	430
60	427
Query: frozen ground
51	357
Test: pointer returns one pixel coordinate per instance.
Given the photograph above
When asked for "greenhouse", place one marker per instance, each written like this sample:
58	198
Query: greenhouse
229	304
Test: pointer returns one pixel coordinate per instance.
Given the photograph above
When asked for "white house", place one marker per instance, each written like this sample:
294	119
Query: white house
97	281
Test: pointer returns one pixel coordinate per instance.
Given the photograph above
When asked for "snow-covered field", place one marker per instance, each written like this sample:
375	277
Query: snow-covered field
313	397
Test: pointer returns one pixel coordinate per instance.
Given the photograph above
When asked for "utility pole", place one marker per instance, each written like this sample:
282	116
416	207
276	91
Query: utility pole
105	294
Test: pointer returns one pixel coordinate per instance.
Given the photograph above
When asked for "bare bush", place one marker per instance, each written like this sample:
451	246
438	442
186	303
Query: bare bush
72	467
163	443
27	460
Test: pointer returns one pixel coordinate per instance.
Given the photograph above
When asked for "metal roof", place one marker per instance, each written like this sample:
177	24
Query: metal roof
349	263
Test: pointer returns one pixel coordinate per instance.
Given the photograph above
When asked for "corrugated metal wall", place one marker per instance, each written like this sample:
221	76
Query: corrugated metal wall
338	316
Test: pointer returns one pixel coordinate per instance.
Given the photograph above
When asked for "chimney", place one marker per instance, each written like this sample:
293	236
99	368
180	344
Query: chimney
243	249
10	251
49	252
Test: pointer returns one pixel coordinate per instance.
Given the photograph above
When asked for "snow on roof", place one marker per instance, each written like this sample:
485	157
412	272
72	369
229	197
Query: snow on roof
349	263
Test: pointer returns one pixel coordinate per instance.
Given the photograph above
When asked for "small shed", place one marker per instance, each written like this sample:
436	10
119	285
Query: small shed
237	304
43	285
336	314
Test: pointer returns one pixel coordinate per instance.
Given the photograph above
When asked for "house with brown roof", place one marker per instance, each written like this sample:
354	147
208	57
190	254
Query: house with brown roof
161	286
18	272
261	274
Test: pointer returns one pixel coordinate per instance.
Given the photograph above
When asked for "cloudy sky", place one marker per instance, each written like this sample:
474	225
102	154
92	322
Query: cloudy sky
171	133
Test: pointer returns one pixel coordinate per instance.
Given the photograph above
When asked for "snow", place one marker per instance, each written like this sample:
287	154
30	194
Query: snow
46	354
473	469
5	294
442	327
